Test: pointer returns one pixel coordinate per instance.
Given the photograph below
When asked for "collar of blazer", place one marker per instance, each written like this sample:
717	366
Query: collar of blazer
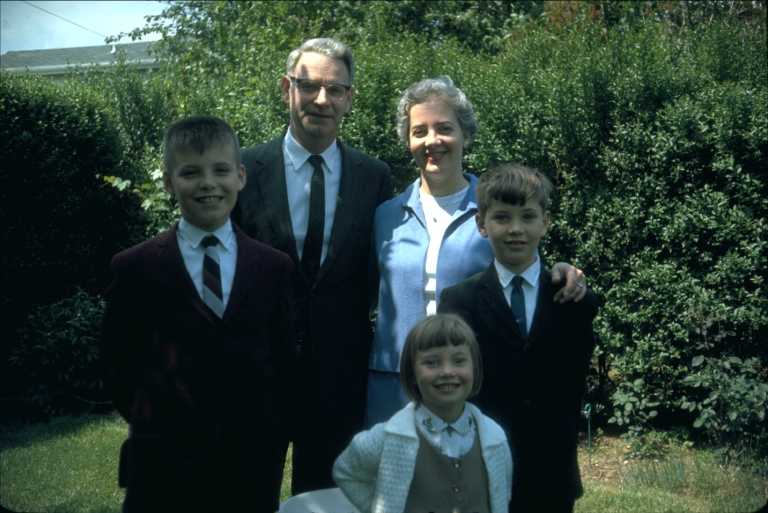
493	300
269	174
173	273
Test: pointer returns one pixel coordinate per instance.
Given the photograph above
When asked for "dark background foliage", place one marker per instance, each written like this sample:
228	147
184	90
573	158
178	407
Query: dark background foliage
62	221
649	116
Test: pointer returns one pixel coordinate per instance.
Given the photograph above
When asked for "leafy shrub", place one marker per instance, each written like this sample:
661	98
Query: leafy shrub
141	105
56	355
655	445
675	230
656	141
729	396
61	221
652	120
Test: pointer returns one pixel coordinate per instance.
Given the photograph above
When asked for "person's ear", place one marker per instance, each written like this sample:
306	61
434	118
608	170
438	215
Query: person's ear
547	222
241	174
285	87
349	100
167	183
481	225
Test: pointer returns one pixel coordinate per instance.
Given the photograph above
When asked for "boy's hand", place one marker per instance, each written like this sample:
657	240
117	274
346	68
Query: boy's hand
575	282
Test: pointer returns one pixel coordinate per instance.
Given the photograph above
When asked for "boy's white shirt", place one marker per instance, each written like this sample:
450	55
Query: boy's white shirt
530	285
189	237
376	469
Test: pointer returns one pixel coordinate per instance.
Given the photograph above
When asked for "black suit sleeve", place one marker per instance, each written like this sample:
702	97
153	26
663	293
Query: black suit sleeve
118	360
386	191
284	347
584	338
451	302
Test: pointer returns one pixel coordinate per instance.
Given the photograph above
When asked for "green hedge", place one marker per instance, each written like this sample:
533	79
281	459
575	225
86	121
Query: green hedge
656	137
61	221
655	131
57	356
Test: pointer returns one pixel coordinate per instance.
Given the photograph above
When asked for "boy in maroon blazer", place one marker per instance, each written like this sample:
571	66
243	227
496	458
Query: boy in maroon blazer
198	342
536	352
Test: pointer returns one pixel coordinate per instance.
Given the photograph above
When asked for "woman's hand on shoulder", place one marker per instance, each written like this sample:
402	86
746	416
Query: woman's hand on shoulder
575	287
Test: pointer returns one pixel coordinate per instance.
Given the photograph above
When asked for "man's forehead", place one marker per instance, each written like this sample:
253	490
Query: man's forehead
318	65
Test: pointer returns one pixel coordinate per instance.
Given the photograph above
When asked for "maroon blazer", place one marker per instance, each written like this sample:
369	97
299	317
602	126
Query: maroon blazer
202	394
533	386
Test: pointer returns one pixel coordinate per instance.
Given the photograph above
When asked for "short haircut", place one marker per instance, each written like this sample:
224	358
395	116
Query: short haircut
440	88
513	184
438	331
325	46
198	133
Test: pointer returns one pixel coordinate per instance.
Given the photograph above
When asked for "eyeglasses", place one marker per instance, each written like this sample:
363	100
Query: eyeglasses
311	87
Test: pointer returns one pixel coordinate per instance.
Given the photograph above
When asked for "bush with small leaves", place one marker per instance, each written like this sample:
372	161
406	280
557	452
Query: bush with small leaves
61	221
57	358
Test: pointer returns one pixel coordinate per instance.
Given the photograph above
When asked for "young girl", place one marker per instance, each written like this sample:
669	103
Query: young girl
439	454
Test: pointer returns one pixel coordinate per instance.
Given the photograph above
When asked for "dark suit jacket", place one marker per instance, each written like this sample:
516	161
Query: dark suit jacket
333	314
202	394
532	385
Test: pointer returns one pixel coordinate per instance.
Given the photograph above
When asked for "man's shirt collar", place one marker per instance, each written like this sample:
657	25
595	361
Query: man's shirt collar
298	155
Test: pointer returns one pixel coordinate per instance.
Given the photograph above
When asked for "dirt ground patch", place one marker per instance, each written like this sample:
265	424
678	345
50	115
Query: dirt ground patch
607	460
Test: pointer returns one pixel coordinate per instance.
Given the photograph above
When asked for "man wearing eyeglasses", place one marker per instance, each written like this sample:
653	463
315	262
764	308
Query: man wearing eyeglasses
314	197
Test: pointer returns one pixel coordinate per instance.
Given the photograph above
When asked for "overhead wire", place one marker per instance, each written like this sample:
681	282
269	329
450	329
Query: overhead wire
63	18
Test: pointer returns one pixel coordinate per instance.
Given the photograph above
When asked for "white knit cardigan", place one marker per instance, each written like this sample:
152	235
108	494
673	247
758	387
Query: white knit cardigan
376	469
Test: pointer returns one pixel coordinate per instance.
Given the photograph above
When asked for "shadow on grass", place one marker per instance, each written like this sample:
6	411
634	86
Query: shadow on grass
17	434
65	465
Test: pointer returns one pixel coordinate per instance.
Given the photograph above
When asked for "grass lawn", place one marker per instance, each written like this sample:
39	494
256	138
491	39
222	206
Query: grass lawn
684	481
70	465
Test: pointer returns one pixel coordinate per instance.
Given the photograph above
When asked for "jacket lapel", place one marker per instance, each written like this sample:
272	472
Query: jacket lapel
274	195
174	273
343	219
245	262
495	305
544	305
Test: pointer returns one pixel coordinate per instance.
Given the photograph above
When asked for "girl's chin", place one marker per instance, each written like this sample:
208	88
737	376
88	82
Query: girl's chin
435	169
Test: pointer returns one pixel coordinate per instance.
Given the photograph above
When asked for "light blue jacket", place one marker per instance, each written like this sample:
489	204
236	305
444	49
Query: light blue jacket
401	241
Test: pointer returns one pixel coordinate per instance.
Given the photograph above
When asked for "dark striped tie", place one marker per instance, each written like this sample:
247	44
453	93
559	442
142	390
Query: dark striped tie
212	293
517	304
313	243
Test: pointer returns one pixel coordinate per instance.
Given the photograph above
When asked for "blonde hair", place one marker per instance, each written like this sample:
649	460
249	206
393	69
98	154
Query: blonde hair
198	133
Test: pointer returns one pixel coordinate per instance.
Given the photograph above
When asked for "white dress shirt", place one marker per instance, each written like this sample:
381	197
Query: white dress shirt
298	176
530	286
189	237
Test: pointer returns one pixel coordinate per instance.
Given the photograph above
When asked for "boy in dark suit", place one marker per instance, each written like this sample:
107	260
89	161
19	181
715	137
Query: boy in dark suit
536	352
198	342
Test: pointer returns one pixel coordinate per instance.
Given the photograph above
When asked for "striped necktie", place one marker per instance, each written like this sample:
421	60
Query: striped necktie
212	293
